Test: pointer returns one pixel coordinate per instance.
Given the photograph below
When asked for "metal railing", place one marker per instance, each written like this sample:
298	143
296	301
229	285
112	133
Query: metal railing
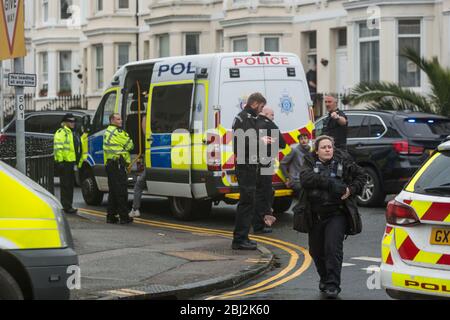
64	103
39	161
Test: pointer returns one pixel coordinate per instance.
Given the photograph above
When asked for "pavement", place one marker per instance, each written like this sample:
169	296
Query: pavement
141	261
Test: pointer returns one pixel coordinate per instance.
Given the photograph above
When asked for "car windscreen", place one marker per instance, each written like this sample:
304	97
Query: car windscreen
435	180
427	128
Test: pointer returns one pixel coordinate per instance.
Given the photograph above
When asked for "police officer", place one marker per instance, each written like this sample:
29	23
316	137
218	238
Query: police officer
116	147
67	155
331	181
336	124
264	188
245	132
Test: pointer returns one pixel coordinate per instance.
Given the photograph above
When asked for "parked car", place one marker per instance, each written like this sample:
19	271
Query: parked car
391	146
40	128
44	124
416	243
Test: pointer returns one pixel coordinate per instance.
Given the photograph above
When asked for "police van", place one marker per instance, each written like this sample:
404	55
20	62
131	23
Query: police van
416	244
37	258
186	106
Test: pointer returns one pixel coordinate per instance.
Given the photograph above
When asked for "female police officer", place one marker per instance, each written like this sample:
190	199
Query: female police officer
331	180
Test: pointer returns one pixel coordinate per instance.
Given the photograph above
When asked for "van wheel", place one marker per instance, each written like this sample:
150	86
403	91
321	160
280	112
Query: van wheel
182	208
9	289
372	195
281	205
186	209
203	208
91	195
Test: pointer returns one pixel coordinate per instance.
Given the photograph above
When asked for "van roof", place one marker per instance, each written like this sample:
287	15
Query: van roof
209	56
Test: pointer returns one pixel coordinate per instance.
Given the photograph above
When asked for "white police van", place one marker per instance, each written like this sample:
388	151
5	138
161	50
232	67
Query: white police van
189	104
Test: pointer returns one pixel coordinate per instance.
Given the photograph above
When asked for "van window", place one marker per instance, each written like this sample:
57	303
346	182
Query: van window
107	107
435	176
171	108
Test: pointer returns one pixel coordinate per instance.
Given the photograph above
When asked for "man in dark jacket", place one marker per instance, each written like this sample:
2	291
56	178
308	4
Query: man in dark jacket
269	151
246	140
336	125
331	179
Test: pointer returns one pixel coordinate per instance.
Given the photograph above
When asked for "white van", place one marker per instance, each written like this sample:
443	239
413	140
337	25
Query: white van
198	94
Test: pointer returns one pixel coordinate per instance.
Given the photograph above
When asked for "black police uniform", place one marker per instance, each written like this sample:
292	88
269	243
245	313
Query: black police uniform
118	191
333	129
247	175
325	184
264	187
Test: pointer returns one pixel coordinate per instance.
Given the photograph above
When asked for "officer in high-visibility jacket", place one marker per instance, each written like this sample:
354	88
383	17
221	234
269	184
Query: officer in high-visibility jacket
117	145
67	155
84	149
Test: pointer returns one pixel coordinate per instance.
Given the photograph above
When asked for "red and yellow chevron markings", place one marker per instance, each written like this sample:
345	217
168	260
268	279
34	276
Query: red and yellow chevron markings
386	246
228	158
431	211
408	251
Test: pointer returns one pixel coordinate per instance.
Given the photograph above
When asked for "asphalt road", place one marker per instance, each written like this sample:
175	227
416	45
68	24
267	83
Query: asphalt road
361	253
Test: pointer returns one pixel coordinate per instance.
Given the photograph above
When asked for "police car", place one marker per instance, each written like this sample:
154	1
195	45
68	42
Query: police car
416	244
37	256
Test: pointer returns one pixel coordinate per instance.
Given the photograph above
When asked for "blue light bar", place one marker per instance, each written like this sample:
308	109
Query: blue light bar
430	121
412	120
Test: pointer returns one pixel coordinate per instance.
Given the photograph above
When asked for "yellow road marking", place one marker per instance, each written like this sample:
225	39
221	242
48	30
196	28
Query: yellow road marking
260	287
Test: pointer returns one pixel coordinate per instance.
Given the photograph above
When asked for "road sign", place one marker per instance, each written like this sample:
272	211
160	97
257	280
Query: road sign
21	107
12	29
21	80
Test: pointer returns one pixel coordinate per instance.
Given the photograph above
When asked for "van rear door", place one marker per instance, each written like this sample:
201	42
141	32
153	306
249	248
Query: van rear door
239	78
288	95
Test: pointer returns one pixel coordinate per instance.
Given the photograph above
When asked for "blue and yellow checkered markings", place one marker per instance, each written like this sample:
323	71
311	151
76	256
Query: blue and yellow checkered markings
171	151
161	151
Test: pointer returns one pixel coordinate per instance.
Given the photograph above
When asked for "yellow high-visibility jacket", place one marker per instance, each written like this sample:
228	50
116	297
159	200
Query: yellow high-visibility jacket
117	143
84	149
64	145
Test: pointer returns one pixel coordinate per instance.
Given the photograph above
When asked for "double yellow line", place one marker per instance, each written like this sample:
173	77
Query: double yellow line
285	275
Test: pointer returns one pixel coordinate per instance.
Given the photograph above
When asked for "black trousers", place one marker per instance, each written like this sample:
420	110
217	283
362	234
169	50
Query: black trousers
264	200
255	200
118	190
67	183
326	243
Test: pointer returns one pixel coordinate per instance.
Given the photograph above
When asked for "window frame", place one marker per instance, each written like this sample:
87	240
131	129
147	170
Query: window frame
153	110
45	11
118	8
369	115
421	37
118	45
101	109
238	39
159	37
99	68
268	36
66	72
185	35
360	40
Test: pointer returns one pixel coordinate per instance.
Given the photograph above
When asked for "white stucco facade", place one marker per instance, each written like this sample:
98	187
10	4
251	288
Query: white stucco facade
350	40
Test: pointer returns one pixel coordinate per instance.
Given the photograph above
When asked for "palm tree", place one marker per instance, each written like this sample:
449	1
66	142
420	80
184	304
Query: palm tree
380	95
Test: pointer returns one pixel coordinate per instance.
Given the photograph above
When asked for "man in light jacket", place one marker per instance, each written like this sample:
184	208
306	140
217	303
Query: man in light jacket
292	163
